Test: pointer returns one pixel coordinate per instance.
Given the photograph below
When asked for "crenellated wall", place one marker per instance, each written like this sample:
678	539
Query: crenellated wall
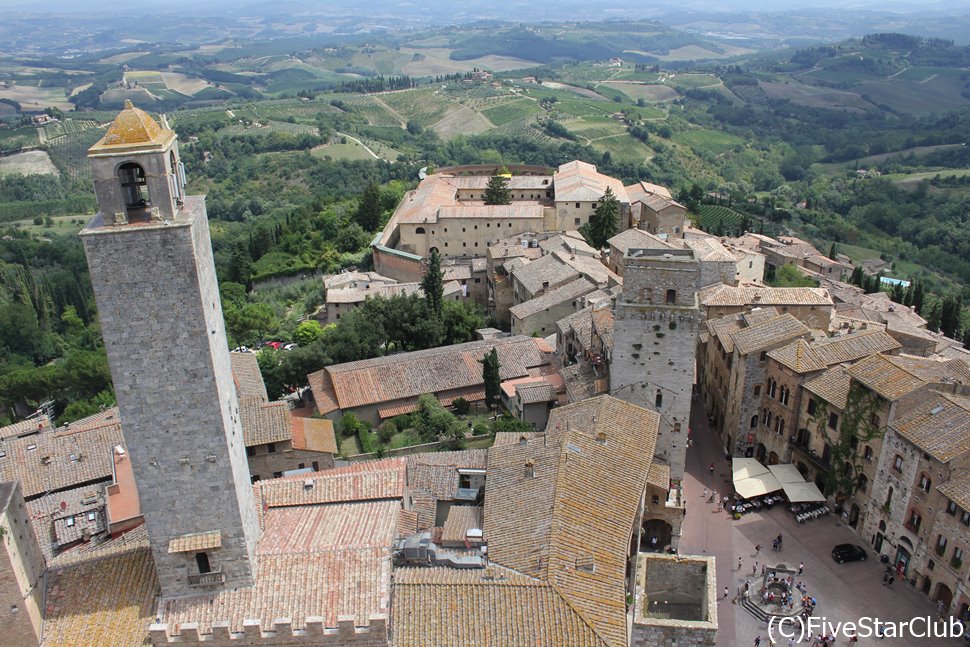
280	634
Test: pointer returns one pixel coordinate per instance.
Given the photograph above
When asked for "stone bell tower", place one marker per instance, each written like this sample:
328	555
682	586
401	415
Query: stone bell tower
150	258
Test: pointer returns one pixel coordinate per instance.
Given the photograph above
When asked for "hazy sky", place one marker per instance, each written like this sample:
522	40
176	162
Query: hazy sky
214	7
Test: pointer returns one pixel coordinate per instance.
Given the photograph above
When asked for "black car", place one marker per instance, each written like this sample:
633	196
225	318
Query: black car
848	553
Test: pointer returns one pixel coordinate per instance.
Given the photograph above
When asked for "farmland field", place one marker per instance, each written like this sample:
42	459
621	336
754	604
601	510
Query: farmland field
647	92
27	163
815	97
690	81
708	141
438	61
713	216
70	151
14	138
37	98
935	94
624	149
463	121
511	111
349	151
424	106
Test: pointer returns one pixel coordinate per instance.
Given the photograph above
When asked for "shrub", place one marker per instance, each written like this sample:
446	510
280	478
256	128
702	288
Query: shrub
480	429
462	406
386	431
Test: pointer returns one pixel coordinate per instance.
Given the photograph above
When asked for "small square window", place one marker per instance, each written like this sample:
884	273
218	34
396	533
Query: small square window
70	521
271	448
91	516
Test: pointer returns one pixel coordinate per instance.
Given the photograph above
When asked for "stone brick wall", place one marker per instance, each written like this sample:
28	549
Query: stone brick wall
264	464
658	575
399	267
22	569
279	634
655	343
161	317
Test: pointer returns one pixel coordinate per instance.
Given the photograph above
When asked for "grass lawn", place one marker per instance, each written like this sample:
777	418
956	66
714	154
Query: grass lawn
349	151
349	445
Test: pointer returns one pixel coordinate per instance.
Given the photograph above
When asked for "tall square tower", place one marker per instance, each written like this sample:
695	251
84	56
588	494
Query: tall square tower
655	335
150	258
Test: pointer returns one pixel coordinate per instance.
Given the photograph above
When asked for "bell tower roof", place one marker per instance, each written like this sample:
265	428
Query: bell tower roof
132	130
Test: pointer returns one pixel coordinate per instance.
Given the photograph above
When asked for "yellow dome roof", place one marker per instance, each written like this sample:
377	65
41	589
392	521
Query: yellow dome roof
133	131
132	126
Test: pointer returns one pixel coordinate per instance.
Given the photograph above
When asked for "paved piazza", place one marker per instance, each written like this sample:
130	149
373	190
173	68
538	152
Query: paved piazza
845	592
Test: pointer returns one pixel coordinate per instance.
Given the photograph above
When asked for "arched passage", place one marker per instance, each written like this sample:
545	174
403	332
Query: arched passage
134	188
944	595
655	529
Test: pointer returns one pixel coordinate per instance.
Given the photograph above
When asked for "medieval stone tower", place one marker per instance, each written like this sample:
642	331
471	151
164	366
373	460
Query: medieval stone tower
154	279
655	335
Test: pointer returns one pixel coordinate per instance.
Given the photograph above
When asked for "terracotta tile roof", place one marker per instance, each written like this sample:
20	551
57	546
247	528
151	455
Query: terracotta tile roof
832	386
564	293
581	325
957	489
461	519
359	295
659	476
399	410
710	250
659	202
803	357
246	376
195	542
726	295
549	270
635	239
102	600
723	328
366	481
62	458
603	323
264	422
407	523
346	279
327	561
50	518
643	188
580	181
938	425
25	427
535	392
566	518
568	243
894	377
581	381
443	606
770	333
437	472
313	434
409	375
514	438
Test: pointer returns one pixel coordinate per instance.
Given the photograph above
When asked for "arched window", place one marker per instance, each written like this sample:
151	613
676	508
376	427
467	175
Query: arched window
889	498
754	421
784	395
419	230
671	297
659	400
134	186
925	483
862	483
781	427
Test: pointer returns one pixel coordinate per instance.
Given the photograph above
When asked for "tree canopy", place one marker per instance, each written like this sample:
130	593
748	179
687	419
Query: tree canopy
497	191
604	222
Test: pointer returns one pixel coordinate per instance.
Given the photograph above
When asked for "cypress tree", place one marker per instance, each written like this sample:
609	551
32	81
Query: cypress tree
497	191
433	285
369	211
491	377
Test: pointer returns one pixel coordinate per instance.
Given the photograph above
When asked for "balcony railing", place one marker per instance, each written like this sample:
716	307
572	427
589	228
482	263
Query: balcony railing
212	578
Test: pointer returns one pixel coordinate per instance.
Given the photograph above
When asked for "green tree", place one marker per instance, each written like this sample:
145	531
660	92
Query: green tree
370	209
492	378
497	191
604	222
434	422
433	284
788	276
950	310
308	332
918	296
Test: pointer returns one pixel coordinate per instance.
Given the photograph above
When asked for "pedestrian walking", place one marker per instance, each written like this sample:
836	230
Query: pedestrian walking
791	642
757	641
754	568
725	592
757	550
885	578
705	493
801	567
711	468
740	562
764	569
890	582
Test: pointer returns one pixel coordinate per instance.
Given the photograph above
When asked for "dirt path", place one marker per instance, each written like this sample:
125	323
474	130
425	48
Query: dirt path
366	148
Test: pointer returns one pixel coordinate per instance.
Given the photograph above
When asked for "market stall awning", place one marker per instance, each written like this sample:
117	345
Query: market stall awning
802	492
786	473
797	489
751	478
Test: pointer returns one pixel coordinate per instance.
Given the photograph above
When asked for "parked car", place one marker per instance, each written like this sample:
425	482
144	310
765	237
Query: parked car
848	553
290	346
275	345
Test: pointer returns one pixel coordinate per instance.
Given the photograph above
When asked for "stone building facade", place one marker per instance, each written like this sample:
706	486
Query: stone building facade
655	333
22	569
155	284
